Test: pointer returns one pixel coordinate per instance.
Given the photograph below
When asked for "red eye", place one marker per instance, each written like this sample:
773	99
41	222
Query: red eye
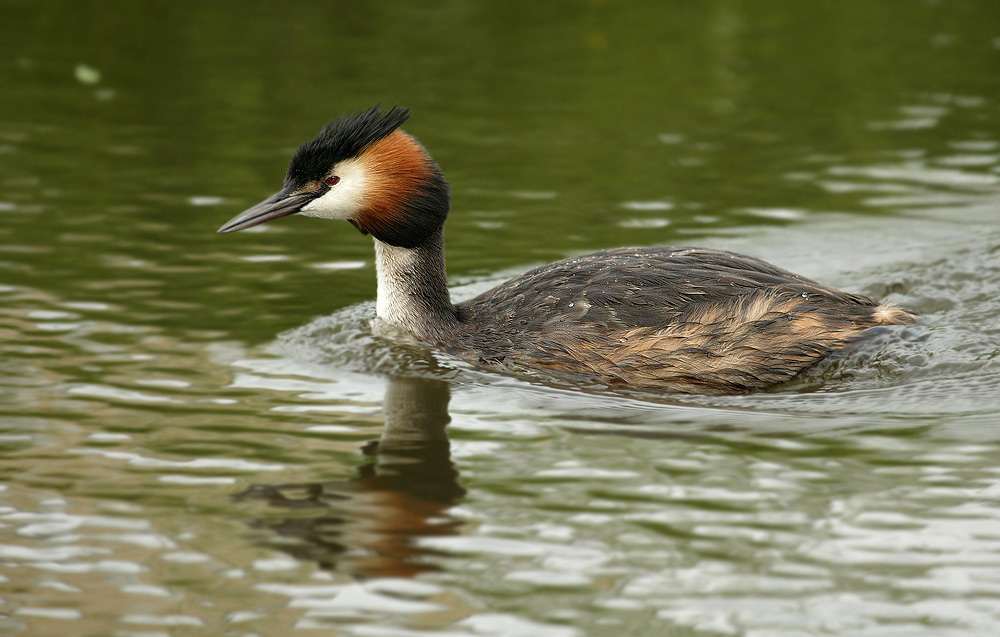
332	180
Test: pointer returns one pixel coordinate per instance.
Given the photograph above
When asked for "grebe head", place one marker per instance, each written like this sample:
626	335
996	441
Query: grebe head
362	169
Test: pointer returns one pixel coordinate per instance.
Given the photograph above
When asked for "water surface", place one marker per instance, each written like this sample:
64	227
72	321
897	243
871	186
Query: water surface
201	434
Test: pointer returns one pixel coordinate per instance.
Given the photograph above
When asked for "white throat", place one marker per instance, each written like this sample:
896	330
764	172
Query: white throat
395	267
412	287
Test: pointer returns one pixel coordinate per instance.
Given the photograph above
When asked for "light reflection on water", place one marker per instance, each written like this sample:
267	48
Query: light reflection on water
318	479
320	475
310	481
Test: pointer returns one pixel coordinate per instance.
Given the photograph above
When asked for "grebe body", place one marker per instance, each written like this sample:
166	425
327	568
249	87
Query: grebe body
658	318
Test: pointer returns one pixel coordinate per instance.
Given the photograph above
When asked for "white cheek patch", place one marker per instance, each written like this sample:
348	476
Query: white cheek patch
344	199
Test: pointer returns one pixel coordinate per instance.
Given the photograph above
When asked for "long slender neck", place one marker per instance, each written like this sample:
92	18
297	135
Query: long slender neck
413	287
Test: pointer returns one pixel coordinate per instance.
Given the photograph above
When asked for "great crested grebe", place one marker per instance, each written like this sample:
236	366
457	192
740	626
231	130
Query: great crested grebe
667	319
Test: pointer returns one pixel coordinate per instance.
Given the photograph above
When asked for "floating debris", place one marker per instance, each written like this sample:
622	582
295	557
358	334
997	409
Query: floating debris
86	74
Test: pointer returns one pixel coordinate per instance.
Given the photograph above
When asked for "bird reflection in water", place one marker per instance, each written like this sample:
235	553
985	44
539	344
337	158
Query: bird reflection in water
369	525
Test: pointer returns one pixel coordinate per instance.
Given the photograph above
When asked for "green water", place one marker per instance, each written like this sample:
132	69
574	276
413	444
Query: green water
199	434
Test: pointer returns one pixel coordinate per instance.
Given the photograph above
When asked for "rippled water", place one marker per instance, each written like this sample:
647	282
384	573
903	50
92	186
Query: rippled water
202	434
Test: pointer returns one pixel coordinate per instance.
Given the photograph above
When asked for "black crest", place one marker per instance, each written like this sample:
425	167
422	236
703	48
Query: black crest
343	138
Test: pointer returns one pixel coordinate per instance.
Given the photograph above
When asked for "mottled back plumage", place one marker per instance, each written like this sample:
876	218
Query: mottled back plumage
663	318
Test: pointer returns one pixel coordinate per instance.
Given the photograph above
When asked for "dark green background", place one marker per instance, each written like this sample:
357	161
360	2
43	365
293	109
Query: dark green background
564	98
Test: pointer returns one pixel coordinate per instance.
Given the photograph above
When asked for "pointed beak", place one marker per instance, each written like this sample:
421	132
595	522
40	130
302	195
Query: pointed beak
281	204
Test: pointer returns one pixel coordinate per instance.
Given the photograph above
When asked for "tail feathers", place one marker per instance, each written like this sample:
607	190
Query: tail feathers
889	314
